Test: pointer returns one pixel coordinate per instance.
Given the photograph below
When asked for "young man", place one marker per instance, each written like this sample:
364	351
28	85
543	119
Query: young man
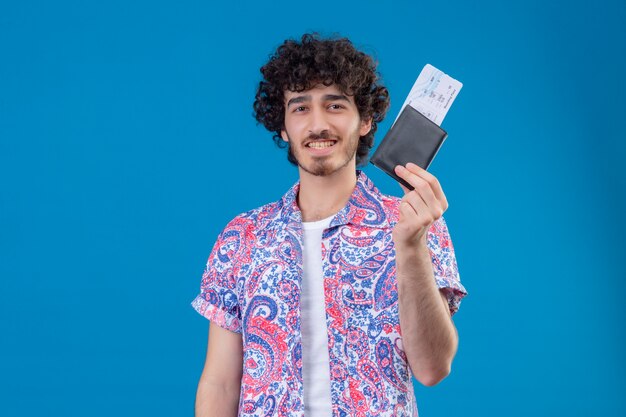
324	302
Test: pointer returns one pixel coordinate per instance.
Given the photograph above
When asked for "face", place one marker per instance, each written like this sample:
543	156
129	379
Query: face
323	127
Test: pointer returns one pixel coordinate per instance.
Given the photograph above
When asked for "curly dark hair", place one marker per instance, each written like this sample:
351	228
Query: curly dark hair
299	66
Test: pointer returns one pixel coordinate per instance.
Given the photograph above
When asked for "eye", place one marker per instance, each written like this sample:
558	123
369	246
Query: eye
299	109
335	106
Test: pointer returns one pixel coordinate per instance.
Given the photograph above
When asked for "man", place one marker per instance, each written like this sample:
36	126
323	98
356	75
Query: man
324	302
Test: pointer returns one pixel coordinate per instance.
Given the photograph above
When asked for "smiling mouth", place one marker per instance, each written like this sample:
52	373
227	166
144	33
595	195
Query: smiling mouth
321	144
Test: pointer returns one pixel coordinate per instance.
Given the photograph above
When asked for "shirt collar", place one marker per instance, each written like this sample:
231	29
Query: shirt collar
365	207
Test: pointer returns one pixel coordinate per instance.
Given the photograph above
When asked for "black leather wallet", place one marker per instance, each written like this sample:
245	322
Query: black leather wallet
412	138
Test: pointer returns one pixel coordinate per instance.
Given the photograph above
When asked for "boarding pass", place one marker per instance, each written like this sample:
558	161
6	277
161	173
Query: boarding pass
433	94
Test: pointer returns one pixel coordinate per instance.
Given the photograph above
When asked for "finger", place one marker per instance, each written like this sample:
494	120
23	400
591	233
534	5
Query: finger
431	179
408	215
397	169
420	185
425	213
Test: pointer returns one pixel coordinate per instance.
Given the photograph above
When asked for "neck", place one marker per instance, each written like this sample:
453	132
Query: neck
321	197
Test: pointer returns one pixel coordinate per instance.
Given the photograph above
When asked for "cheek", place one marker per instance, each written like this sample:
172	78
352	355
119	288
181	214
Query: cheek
356	128
292	126
354	124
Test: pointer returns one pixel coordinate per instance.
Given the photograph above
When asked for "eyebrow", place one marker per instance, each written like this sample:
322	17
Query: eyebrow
326	97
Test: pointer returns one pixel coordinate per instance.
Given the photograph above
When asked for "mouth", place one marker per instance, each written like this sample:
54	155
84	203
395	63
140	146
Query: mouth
320	144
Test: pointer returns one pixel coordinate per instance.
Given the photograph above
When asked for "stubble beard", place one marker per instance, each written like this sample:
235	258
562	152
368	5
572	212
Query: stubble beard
322	165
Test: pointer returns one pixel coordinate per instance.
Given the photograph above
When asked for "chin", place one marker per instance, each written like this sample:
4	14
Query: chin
325	168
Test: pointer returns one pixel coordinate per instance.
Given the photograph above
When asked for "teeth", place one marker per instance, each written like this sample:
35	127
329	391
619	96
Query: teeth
320	145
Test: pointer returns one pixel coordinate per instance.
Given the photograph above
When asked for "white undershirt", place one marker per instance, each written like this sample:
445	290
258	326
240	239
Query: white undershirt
315	363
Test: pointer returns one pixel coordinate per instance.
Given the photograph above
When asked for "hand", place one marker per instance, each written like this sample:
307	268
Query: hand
419	208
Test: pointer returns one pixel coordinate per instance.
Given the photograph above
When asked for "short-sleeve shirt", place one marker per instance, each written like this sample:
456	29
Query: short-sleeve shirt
251	285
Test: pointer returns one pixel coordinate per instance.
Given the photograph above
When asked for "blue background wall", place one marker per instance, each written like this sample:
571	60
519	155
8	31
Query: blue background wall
127	143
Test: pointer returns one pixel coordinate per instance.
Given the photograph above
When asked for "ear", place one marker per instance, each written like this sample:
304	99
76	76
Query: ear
283	134
366	126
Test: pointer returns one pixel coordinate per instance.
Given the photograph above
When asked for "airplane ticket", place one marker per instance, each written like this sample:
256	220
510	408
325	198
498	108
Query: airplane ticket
433	94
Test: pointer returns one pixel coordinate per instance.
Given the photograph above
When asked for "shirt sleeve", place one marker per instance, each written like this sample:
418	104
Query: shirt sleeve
444	263
218	300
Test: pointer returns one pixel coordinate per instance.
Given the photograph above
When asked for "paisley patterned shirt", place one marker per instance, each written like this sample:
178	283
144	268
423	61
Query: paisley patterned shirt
251	285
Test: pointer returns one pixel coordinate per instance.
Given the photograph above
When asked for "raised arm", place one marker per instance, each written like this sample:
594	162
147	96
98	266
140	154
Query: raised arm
429	336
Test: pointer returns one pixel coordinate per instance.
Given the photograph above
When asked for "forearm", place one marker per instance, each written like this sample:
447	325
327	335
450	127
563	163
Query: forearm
429	337
216	400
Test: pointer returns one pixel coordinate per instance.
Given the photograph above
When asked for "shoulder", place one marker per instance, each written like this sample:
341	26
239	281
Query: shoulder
391	206
238	238
254	220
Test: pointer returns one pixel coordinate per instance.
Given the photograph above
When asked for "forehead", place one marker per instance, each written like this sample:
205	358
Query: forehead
318	91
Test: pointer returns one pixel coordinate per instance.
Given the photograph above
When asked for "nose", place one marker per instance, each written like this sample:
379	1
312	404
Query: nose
318	121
